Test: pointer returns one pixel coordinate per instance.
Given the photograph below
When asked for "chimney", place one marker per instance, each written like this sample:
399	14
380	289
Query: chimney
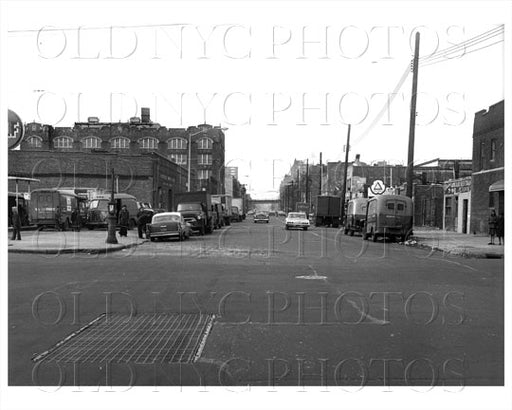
145	116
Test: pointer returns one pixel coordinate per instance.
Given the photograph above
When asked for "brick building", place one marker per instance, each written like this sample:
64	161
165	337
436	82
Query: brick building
150	177
136	137
487	187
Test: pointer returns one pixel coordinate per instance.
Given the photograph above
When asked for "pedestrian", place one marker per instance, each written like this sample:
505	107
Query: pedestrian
16	224
124	220
143	218
500	228
492	226
75	219
57	218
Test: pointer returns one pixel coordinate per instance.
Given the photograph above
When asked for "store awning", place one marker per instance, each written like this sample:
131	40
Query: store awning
497	186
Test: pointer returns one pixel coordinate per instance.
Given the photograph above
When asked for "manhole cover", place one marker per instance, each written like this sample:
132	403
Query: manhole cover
144	338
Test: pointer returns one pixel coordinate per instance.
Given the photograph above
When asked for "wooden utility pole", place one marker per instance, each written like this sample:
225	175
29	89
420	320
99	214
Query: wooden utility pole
412	121
321	176
307	181
344	190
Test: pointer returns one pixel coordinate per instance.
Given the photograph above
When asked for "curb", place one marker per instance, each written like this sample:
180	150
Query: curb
93	251
463	254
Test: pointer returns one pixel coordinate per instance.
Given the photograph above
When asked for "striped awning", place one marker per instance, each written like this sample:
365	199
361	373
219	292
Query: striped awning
497	186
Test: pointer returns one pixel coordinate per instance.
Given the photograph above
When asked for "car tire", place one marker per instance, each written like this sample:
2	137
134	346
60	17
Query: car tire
267	221
305	228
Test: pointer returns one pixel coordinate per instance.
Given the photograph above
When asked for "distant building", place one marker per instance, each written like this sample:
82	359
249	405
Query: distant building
488	187
457	205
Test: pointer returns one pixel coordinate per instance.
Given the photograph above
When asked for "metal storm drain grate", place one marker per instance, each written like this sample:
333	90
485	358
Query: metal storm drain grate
144	338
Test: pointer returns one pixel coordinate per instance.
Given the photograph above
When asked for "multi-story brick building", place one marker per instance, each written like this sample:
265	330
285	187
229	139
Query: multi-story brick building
487	186
140	140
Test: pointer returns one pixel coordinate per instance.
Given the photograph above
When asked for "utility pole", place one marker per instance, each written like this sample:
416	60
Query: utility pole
412	121
344	190
321	176
307	181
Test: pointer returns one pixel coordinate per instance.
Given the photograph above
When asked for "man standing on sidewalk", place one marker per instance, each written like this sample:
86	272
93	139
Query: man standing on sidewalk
500	228
16	224
492	226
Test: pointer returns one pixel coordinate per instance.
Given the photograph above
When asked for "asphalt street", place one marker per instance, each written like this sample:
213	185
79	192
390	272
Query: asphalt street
292	308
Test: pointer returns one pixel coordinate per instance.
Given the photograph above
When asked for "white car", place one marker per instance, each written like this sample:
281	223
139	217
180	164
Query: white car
297	220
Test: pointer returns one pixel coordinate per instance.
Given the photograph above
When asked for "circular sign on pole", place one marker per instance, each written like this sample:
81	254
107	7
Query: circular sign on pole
16	129
378	187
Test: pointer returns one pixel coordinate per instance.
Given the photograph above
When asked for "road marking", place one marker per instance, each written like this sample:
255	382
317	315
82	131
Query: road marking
366	315
315	275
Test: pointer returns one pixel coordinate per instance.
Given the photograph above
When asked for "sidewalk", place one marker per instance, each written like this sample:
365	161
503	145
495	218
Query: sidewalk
466	245
58	242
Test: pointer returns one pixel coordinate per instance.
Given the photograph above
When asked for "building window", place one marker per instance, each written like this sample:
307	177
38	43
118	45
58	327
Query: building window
91	142
204	159
120	143
204	174
482	154
493	150
63	142
205	143
177	143
34	127
148	143
180	159
35	142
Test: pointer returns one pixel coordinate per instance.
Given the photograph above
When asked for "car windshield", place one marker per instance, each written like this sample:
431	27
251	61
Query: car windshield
102	205
297	215
166	218
189	207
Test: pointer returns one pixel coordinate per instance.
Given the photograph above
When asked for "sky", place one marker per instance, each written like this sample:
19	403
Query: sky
285	80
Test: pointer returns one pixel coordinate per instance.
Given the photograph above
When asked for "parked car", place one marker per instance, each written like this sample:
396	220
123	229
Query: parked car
297	220
272	213
281	213
261	217
168	225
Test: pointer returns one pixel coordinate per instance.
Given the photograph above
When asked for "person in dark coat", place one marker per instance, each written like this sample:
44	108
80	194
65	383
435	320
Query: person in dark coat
492	226
143	218
75	219
124	220
500	228
16	224
57	218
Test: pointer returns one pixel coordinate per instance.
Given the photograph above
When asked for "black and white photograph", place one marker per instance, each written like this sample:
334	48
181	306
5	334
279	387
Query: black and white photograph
242	204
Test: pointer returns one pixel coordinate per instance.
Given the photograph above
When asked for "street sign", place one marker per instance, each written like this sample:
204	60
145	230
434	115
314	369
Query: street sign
16	129
378	187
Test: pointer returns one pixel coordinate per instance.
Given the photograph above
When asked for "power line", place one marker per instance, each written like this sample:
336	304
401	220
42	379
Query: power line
469	52
463	46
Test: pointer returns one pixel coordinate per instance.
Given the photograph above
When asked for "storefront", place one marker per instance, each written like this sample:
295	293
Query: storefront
457	205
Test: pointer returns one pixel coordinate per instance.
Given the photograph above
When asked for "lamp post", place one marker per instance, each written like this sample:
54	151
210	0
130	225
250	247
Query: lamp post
111	219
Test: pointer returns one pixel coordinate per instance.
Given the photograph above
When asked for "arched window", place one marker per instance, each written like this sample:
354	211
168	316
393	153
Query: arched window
34	142
205	143
91	142
148	143
63	142
120	143
177	143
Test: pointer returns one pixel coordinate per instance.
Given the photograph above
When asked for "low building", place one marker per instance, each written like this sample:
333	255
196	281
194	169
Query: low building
150	177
